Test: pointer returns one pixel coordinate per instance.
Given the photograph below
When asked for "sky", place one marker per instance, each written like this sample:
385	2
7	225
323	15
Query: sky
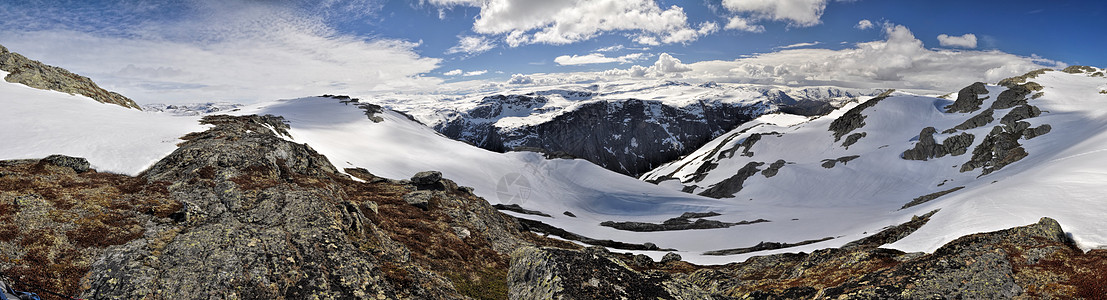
251	50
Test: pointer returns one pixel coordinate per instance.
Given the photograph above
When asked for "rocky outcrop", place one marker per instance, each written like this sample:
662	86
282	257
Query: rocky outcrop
35	74
1035	261
728	187
239	211
979	120
829	163
926	198
968	99
773	168
683	222
853	119
926	148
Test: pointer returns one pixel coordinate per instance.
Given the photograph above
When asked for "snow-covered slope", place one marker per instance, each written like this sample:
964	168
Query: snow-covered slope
628	127
36	123
1012	170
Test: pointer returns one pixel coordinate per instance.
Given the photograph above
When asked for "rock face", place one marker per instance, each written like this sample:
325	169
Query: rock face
927	148
41	76
630	136
968	99
853	119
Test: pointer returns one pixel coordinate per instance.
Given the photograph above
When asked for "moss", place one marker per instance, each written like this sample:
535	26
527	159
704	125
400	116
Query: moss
488	283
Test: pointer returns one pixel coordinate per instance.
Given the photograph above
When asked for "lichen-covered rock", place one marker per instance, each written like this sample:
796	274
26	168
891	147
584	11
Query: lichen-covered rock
926	148
77	164
552	273
426	178
979	120
35	74
968	99
853	138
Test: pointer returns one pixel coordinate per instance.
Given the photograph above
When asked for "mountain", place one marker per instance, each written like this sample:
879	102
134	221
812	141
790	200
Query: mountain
35	74
628	128
995	156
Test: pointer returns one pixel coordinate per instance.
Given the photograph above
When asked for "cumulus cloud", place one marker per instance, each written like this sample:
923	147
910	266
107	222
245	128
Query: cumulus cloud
471	45
568	21
799	13
864	24
597	58
454	72
204	50
475	73
898	61
965	41
520	79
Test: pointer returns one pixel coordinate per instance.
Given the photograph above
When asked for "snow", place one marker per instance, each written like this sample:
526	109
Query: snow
37	123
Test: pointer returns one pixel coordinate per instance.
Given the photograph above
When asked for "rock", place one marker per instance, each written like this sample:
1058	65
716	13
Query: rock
1030	133
968	99
853	138
853	119
670	257
728	187
773	168
926	148
78	164
426	178
1013	96
829	163
979	120
568	213
520	209
420	199
35	74
551	273
643	260
926	198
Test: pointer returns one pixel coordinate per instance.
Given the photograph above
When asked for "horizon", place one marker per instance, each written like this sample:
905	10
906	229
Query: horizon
246	51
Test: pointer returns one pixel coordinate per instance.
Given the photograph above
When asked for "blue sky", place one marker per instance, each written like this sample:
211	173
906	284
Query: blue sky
240	50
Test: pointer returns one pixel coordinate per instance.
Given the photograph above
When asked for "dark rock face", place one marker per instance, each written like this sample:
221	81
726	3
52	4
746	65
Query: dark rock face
728	187
968	99
976	121
853	119
35	74
927	148
629	136
1001	147
551	273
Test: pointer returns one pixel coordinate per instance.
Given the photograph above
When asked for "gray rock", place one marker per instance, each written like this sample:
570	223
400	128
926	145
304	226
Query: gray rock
420	199
78	164
853	119
829	163
728	187
426	178
926	148
853	138
1036	131
968	99
670	257
35	74
979	120
773	168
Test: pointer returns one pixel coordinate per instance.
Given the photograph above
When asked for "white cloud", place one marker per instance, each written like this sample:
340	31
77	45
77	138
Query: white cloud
471	45
240	51
743	24
476	73
520	79
864	24
454	72
568	21
965	41
597	58
800	45
899	61
611	48
800	13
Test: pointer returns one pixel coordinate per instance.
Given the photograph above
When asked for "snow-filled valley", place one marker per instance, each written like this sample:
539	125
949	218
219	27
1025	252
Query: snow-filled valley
1061	176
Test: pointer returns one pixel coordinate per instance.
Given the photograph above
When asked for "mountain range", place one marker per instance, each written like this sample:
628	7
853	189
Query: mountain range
745	191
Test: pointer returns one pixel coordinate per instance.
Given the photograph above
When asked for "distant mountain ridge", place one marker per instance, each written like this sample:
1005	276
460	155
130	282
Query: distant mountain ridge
35	74
626	128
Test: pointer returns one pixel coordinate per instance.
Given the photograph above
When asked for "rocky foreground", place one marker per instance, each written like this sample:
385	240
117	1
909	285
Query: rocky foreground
240	211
